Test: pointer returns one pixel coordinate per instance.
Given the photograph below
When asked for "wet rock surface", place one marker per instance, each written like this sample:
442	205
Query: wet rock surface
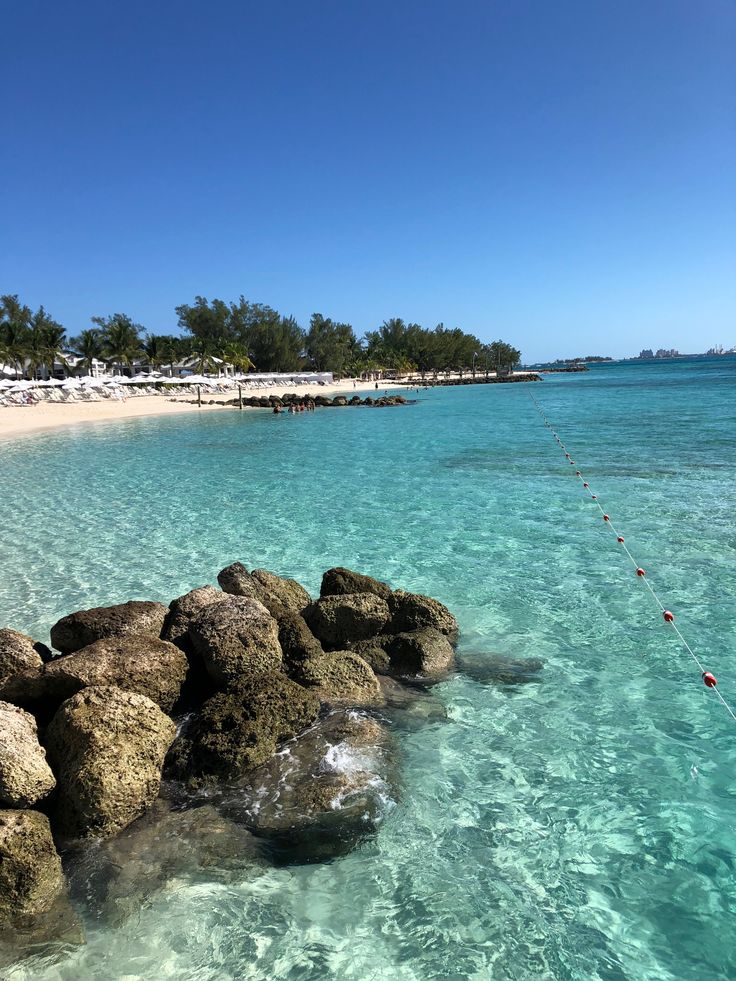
340	677
25	776
326	792
84	627
107	748
240	728
30	869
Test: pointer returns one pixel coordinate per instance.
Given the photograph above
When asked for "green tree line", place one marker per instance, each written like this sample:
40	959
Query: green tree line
247	335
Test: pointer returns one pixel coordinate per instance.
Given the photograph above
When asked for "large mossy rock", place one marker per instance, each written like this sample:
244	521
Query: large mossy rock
340	678
184	608
426	654
80	629
107	748
325	793
241	728
411	611
236	639
134	662
340	620
264	586
25	776
31	880
339	581
18	653
298	643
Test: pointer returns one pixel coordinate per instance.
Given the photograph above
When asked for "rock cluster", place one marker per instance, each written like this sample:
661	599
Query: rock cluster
211	703
319	401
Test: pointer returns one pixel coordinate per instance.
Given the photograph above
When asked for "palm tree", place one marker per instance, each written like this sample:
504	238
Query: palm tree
88	346
121	339
236	355
15	319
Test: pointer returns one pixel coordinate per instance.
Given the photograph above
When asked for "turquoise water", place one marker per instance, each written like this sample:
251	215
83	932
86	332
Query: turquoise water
580	827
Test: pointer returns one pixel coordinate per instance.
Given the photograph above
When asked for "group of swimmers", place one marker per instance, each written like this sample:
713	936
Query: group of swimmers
294	407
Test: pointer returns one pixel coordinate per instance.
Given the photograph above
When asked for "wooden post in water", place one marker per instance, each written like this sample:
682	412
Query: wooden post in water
199	396
240	397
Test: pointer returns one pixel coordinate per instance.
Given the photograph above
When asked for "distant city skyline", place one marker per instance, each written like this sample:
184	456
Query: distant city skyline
560	176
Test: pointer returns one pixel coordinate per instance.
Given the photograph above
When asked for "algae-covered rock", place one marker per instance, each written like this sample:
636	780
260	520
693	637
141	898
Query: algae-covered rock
18	653
287	591
25	776
236	639
425	653
106	747
298	643
340	677
340	620
31	879
133	662
84	627
339	581
411	611
242	727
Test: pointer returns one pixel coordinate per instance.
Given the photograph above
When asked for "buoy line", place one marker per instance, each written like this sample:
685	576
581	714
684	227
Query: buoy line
708	678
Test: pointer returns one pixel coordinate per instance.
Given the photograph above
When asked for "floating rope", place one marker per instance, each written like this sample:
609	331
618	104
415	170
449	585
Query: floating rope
709	679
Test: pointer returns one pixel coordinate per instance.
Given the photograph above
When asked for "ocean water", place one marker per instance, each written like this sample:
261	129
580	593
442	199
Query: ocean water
579	827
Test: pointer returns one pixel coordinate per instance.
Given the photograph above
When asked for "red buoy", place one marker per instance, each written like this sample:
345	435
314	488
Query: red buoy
709	680
572	463
620	539
586	484
669	617
606	518
594	497
578	474
567	455
640	572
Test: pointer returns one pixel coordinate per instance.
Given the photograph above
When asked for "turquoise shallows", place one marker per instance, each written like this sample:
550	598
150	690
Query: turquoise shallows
579	827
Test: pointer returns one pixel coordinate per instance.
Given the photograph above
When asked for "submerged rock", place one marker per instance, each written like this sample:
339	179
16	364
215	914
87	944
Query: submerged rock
240	728
411	611
18	653
500	670
25	776
237	638
408	707
340	620
84	627
338	581
133	662
340	677
106	747
324	793
115	878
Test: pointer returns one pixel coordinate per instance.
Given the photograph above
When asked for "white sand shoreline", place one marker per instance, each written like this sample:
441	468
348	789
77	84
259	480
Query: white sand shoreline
17	421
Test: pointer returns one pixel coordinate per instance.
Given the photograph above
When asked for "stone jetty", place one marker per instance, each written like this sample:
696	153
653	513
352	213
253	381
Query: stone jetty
154	740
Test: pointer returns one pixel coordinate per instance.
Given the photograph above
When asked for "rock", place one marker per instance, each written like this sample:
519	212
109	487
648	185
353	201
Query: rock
106	747
31	879
373	651
242	727
236	638
18	652
183	609
425	653
78	630
408	707
340	677
133	662
287	591
339	400
410	611
340	620
118	877
298	643
25	776
500	670
324	793
338	581
264	586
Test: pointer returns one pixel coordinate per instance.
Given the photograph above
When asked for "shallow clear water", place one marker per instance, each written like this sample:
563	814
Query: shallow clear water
579	827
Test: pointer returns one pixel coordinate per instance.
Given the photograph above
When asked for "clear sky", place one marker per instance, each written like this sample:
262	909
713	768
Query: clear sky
560	174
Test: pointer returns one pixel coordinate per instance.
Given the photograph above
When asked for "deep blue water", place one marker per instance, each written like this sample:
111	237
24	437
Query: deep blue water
580	827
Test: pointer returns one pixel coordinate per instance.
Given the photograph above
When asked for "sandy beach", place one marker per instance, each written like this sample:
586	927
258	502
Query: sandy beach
24	420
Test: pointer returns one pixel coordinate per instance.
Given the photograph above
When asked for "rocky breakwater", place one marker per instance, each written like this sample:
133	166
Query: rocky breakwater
238	726
315	401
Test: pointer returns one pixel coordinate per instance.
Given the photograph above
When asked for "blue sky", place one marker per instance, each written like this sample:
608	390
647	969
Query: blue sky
559	174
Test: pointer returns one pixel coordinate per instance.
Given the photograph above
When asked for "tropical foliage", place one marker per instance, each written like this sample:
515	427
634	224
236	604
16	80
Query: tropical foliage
249	336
